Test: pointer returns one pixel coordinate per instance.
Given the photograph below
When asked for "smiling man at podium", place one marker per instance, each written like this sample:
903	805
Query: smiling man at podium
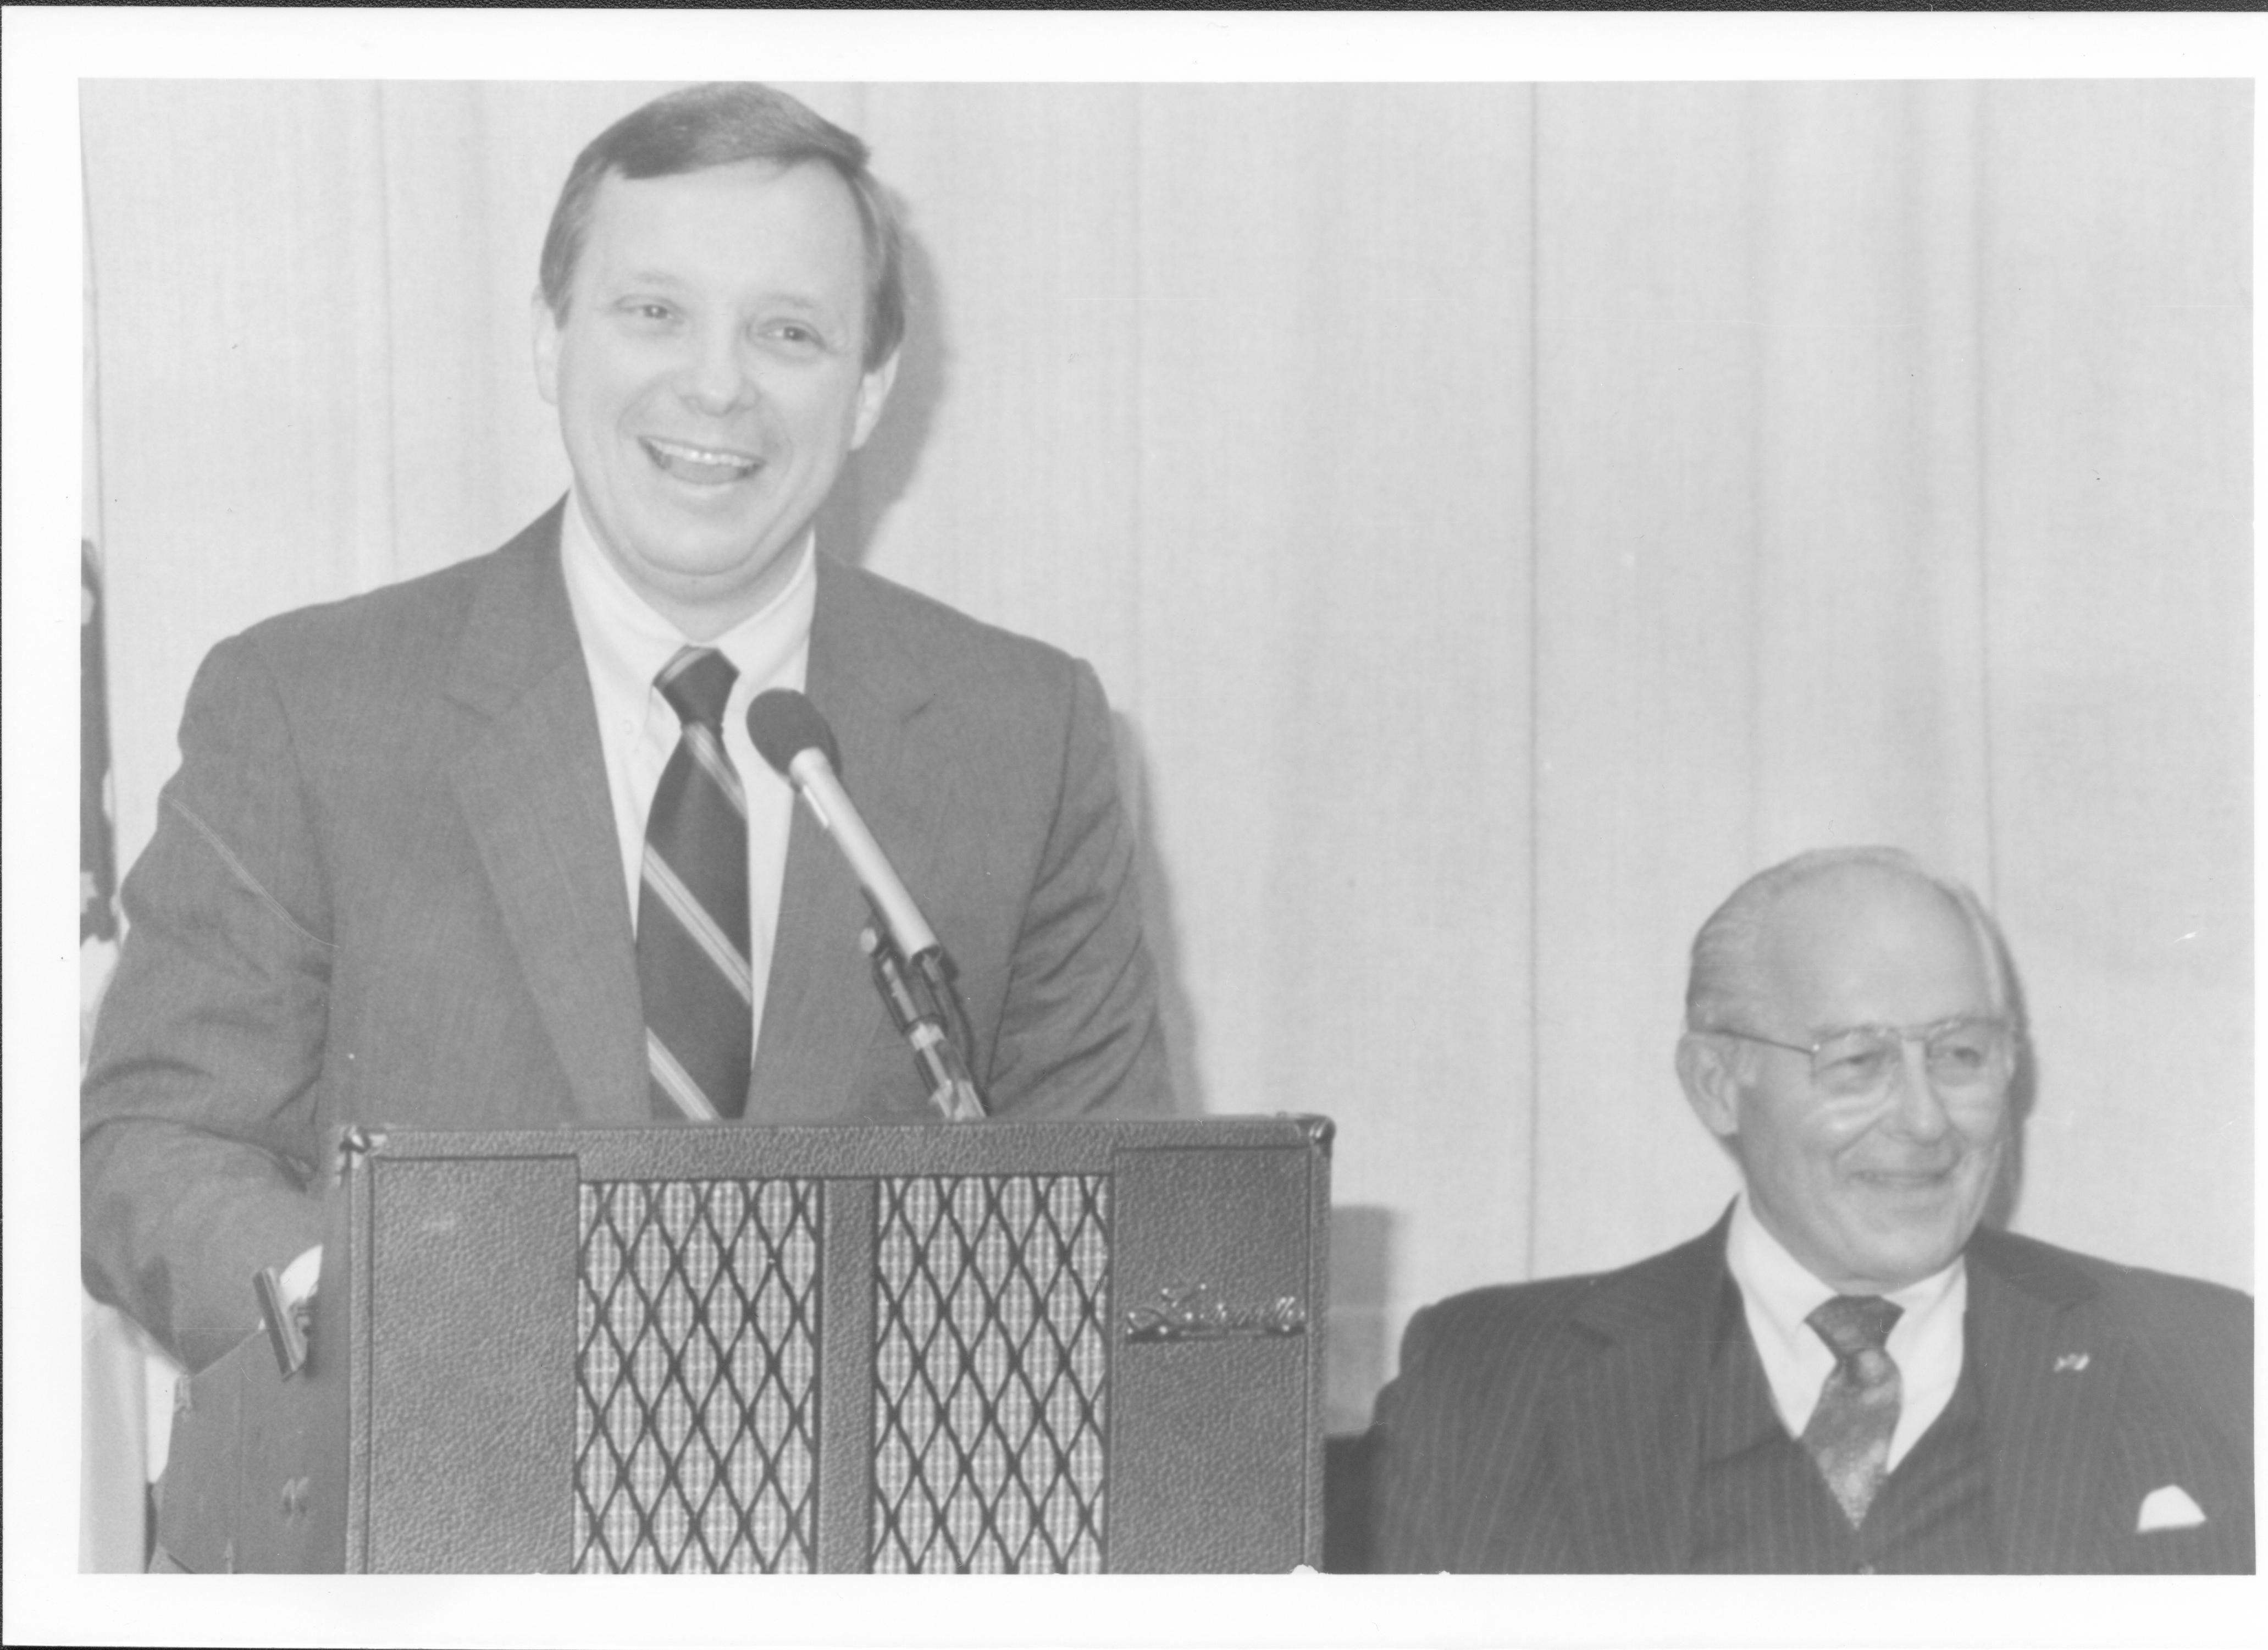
491	848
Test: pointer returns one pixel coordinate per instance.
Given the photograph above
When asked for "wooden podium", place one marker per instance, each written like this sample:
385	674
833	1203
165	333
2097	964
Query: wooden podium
989	1347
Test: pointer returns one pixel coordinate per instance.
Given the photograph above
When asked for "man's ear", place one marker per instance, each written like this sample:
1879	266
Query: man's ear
1707	1070
873	394
547	350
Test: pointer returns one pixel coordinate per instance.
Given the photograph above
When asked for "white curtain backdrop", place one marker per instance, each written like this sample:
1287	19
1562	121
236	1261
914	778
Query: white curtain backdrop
1504	517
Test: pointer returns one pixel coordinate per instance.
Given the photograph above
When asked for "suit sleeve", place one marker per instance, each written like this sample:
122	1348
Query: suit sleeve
1403	1504
197	1126
1078	1031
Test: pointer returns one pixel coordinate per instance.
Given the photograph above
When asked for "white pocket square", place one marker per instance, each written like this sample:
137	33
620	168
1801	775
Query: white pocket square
2169	1509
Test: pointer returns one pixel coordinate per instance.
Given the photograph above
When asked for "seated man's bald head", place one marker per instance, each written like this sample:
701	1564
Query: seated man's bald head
1724	982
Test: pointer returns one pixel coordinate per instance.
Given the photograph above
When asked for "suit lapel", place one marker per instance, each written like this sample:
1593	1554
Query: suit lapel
2050	1389
821	1012
1630	1413
533	785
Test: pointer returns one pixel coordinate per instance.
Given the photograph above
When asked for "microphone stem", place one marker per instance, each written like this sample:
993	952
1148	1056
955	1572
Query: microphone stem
914	1004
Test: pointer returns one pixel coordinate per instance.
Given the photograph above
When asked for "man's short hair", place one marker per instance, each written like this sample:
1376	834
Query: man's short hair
718	125
1724	989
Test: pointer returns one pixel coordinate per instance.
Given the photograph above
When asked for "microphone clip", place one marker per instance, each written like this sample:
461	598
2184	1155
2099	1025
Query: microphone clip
917	998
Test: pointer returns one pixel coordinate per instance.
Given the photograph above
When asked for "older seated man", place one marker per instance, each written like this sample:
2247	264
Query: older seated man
1846	1372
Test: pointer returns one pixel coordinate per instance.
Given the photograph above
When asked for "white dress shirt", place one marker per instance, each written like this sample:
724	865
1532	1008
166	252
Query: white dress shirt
1779	1294
625	645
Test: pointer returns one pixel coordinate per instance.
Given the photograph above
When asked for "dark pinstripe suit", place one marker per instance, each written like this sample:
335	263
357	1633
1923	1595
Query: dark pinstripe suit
1555	1427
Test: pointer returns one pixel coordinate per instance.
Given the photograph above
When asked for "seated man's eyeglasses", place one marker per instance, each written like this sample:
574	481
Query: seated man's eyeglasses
1962	1056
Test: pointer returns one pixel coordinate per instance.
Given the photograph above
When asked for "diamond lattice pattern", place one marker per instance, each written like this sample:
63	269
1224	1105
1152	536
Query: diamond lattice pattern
989	1374
697	1412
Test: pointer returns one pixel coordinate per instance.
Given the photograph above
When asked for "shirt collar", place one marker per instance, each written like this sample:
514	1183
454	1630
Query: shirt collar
1781	1292
627	642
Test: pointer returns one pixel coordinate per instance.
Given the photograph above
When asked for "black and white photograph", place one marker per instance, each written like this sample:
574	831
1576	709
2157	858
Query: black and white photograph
1448	816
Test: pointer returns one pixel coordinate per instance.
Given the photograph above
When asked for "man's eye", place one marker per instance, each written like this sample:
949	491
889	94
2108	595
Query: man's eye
1854	1068
646	310
1962	1056
794	334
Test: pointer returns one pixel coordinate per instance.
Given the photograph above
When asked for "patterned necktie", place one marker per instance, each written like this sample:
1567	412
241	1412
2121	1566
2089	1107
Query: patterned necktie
694	975
1849	1435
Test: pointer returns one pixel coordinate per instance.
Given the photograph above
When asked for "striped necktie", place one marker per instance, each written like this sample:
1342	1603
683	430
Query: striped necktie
694	975
1849	1433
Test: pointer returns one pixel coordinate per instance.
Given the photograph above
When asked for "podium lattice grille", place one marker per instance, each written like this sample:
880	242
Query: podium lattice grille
697	1411
991	1317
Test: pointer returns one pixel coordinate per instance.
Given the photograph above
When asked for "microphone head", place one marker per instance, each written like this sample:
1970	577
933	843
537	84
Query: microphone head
783	724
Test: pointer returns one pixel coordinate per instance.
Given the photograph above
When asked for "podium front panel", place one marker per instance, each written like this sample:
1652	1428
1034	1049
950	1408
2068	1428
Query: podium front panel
473	1313
991	1348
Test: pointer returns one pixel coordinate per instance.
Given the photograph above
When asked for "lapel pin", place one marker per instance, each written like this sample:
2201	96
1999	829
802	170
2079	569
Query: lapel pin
2071	1361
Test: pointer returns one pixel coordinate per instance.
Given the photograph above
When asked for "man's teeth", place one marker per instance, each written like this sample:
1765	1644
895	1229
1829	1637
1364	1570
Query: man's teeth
701	455
700	464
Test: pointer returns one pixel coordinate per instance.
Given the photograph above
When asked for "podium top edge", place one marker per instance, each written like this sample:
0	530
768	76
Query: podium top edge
824	1150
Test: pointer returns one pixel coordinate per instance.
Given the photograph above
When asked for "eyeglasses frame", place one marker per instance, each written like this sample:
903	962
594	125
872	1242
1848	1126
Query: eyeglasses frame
1903	1034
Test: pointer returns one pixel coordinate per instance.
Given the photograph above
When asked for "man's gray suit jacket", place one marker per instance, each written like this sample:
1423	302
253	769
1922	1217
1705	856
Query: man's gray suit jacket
1555	1427
385	888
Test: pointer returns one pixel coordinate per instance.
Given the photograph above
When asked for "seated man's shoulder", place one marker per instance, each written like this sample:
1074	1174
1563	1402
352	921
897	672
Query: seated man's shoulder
2050	1269
1479	1312
2197	1335
1512	1320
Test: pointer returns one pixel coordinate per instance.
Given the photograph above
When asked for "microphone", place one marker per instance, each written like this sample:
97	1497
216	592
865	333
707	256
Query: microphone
789	732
